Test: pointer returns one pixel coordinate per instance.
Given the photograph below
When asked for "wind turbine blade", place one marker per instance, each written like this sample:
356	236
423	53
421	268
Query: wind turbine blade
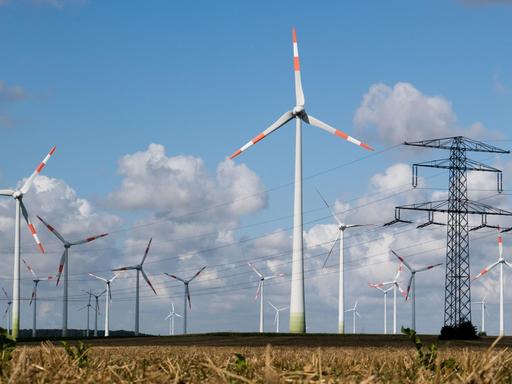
178	315
275	317
332	247
5	293
272	305
333	131
147	280
31	227
29	268
175	277
6	311
500	244
33	295
146	252
24	189
429	267
188	296
124	268
100	278
169	315
197	274
61	265
89	239
286	117
404	294
102	293
377	285
255	270
6	192
172	307
402	260
52	230
113	278
485	270
258	291
330	209
358	315
299	93
508	264
110	294
399	271
409	283
359	225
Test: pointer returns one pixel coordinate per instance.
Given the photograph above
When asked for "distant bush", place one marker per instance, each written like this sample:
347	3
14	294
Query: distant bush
463	331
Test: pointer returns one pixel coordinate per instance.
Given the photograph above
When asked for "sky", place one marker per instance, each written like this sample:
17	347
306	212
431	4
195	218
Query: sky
145	102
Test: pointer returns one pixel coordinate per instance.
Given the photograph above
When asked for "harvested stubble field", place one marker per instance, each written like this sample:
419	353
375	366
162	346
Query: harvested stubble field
227	359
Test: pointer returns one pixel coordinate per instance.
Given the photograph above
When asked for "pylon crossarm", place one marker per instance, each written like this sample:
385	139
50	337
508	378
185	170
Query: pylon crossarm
473	208
459	141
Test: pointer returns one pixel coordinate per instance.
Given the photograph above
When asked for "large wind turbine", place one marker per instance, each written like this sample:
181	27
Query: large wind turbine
88	306
501	261
108	299
64	265
96	310
278	311
354	314
260	292
341	283
483	305
187	295
172	314
18	194
395	285
297	301
385	292
9	303
34	296
412	281
139	269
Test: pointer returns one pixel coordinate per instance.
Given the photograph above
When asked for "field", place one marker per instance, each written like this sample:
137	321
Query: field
248	358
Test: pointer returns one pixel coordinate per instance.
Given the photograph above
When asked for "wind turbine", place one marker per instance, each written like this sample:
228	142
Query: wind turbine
108	299
385	292
18	194
7	310
354	314
341	284
96	310
297	301
412	281
88	306
483	305
276	318
395	285
139	269
34	295
260	291
172	314
64	265
501	261
187	295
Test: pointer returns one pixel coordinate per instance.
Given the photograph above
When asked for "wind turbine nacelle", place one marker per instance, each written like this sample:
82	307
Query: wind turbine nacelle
298	109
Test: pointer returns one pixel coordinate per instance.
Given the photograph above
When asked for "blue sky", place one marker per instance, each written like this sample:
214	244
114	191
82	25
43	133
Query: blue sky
105	79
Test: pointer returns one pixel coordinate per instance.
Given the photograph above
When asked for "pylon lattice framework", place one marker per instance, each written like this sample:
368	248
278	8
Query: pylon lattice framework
457	306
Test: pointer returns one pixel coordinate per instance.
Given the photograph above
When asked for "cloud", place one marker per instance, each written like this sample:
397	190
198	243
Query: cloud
497	83
10	94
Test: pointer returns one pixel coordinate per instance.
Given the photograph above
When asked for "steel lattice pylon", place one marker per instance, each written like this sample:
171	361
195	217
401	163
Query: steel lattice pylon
458	207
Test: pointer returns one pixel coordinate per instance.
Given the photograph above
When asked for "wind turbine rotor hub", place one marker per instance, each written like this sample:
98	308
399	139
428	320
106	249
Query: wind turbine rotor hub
298	110
67	245
17	194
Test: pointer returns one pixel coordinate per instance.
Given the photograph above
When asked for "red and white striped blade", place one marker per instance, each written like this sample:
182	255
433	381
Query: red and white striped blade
429	267
52	230
147	280
333	131
29	268
197	274
146	252
299	93
377	285
485	270
286	117
402	260
89	239
500	244
174	277
33	295
24	189
61	265
31	227
254	269
409	283
399	271
188	296
258	290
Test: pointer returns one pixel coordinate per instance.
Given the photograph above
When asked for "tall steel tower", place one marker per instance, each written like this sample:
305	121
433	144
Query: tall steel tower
457	304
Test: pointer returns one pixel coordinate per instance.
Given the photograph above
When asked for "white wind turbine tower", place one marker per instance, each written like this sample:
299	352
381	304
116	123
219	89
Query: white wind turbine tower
88	306
395	285
64	265
483	306
172	314
385	292
297	300
18	194
501	261
186	296
96	310
7	310
108	299
139	269
276	318
341	283
34	296
412	281
354	314
260	292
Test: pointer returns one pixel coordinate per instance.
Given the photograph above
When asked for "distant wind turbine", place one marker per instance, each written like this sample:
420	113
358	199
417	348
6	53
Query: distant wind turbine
354	314
385	292
186	296
172	314
7	310
483	306
297	299
278	311
88	306
96	309
108	299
